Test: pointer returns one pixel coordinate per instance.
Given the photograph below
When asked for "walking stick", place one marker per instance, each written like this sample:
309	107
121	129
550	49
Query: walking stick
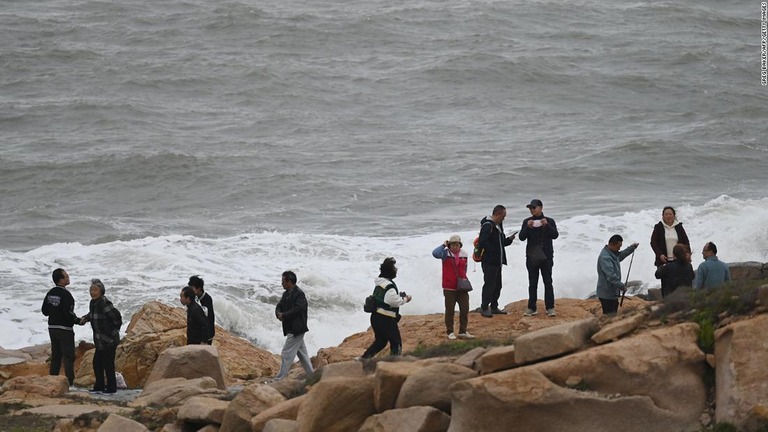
621	303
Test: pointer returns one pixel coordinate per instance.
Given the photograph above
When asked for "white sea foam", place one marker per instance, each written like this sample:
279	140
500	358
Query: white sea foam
242	273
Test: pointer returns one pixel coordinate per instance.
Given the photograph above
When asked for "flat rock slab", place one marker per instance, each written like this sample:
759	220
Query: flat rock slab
71	410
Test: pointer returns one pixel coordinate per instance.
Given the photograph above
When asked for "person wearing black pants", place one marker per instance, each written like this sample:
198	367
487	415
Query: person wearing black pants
105	321
59	307
492	241
384	320
539	231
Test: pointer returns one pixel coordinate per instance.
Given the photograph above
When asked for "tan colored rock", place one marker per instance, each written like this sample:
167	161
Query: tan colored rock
209	428
337	405
175	391
389	378
287	410
429	386
496	359
118	423
741	378
157	327
48	385
190	362
281	425
343	369
553	341
469	358
616	329
72	410
649	382
172	427
199	409
251	401
413	419
746	270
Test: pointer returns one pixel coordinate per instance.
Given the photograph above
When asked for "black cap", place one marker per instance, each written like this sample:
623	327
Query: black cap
535	203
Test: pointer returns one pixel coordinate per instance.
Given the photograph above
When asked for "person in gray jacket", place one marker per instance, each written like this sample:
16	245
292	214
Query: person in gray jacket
609	284
712	272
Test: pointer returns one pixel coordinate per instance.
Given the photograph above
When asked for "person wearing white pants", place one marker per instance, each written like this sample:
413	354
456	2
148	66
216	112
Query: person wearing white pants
291	310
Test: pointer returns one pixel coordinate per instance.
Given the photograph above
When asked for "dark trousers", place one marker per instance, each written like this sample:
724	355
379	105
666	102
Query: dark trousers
104	364
451	298
533	284
491	286
63	349
384	330
610	307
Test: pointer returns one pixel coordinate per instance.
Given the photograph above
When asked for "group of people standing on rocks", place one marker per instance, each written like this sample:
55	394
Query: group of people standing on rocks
669	242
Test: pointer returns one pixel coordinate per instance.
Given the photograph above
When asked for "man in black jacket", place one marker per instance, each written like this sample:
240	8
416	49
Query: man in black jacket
539	230
206	302
197	323
493	241
59	307
292	311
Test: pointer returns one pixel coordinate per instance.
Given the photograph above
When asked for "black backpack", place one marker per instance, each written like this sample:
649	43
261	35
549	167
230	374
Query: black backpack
370	304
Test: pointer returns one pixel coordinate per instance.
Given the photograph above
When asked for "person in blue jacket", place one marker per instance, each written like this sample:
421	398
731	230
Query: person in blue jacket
609	284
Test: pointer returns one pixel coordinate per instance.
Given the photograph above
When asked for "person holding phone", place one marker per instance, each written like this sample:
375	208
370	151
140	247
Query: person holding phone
539	231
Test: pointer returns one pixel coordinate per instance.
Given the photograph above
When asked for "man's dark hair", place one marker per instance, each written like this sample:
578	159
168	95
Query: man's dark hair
712	247
498	209
615	239
188	292
57	275
680	251
387	269
197	282
290	276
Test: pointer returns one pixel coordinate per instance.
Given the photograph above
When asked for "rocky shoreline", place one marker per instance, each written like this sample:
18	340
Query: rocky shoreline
644	369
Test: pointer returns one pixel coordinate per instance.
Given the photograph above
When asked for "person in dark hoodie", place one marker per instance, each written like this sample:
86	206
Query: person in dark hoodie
197	323
206	302
539	231
105	321
291	310
384	320
493	241
676	273
59	307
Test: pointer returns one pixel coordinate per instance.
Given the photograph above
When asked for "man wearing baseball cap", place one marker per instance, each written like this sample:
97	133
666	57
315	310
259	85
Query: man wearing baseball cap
539	231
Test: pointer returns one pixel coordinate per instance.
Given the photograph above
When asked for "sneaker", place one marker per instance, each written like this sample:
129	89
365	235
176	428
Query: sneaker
529	312
73	388
466	335
551	312
107	392
94	391
451	336
487	313
498	311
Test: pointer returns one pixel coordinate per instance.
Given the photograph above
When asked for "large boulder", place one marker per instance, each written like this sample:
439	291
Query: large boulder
337	405
429	386
157	327
741	378
389	378
652	381
747	270
25	387
203	410
413	419
496	359
287	410
191	361
553	341
118	423
251	401
618	328
175	391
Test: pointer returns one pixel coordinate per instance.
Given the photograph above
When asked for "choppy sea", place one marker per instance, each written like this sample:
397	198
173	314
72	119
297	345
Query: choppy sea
143	142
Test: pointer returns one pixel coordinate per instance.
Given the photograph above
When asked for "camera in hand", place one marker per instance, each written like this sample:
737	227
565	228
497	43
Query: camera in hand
403	294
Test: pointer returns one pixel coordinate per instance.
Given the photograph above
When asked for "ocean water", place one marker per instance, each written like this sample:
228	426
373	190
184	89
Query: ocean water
142	143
